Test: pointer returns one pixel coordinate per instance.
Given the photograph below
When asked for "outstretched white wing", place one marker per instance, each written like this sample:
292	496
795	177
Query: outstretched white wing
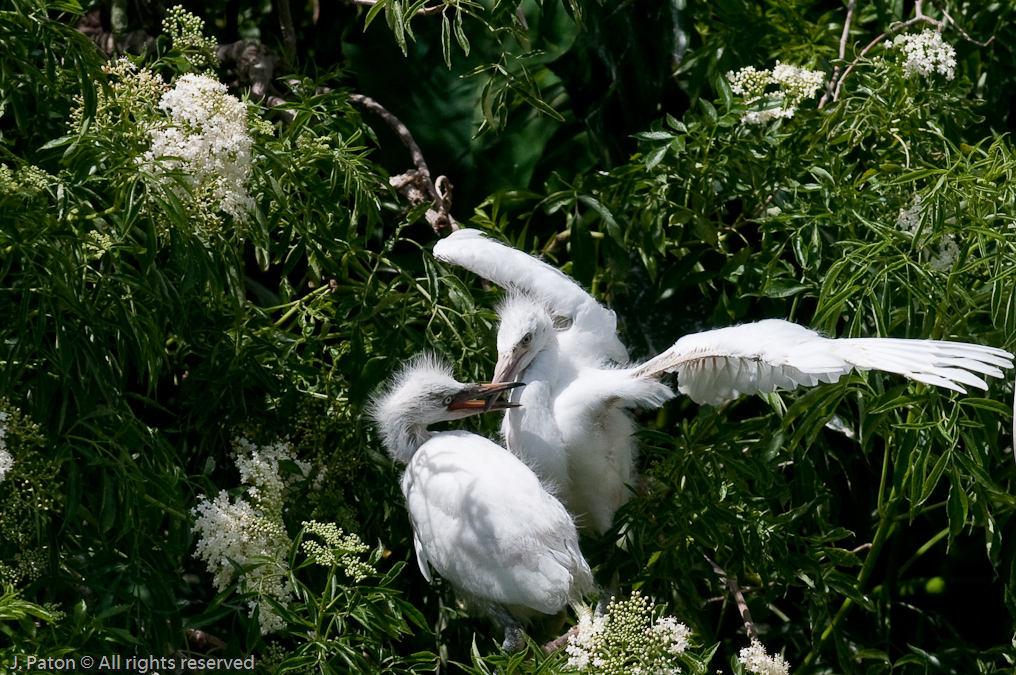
720	365
589	327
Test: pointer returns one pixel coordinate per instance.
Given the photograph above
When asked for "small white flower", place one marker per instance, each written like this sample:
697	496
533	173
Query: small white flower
672	635
948	252
909	219
926	54
756	660
6	463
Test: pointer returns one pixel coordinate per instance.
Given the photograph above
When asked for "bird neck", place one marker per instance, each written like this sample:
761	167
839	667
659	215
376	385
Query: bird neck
545	363
402	439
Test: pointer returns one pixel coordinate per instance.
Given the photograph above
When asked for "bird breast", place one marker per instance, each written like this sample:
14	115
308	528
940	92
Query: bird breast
485	523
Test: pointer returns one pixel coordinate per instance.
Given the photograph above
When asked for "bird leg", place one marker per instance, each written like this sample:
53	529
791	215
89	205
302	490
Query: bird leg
514	638
612	590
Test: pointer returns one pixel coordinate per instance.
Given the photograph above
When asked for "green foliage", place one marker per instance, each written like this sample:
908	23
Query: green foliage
146	327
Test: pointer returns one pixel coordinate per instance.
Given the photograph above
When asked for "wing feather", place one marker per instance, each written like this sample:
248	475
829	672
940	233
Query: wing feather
591	326
720	365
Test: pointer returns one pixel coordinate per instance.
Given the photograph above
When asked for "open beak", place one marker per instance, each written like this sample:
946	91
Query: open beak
480	398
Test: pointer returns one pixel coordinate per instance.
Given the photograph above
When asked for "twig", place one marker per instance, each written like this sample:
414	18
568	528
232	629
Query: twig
560	642
735	590
423	11
919	17
202	641
851	6
554	243
288	33
962	32
255	66
416	185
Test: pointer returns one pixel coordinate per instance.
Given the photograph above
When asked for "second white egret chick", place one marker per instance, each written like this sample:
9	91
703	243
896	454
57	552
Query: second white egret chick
480	516
575	425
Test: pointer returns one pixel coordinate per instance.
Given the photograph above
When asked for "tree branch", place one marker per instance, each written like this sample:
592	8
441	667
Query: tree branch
735	590
416	185
851	6
288	33
254	66
560	642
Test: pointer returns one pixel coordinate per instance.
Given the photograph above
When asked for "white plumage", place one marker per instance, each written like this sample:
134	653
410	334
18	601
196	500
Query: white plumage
586	329
573	427
719	365
480	516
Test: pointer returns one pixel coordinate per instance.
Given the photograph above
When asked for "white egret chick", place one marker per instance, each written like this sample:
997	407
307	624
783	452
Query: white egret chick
480	516
572	427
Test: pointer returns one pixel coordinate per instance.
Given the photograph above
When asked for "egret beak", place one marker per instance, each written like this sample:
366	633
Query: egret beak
481	398
507	366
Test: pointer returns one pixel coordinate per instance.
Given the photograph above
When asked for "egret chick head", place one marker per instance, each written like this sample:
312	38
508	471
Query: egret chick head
526	329
421	393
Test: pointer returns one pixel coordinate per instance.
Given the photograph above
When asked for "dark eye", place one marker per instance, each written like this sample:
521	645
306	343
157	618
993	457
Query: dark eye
447	401
527	338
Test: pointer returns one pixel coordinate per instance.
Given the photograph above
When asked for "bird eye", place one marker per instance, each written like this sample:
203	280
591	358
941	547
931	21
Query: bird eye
527	338
447	401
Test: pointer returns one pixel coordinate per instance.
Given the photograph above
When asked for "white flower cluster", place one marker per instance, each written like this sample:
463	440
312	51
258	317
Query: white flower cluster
796	85
627	641
6	459
926	54
948	252
250	534
260	469
208	133
909	219
27	567
755	660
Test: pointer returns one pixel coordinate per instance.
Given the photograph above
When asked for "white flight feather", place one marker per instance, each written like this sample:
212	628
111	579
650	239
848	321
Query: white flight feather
719	365
591	328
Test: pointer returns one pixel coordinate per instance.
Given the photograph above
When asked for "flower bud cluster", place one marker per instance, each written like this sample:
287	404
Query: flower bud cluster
628	640
339	549
795	86
27	182
186	30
